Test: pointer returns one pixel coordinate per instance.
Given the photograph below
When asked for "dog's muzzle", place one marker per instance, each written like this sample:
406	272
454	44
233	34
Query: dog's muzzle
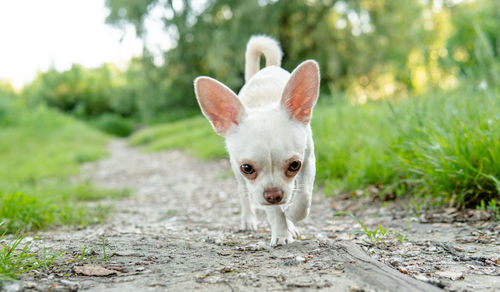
273	195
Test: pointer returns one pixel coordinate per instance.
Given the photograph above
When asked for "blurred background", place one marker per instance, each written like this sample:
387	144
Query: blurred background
409	99
368	50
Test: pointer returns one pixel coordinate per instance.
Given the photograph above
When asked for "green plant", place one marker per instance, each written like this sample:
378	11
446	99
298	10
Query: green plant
88	255
16	259
83	255
380	233
492	207
403	237
193	134
105	257
21	212
113	124
40	150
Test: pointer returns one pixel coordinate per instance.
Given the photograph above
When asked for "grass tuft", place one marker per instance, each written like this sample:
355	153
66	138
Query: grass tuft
16	259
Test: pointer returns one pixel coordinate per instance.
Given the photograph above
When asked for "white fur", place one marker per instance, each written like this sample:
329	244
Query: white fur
267	134
261	45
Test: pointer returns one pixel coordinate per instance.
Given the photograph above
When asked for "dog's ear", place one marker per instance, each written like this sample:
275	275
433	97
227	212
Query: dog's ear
219	104
301	91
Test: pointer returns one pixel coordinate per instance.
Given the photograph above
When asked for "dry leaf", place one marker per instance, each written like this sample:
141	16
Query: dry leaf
94	270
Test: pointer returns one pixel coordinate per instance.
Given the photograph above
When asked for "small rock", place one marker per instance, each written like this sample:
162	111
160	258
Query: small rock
11	287
30	285
451	275
254	247
403	270
395	261
72	286
321	236
355	289
421	277
156	285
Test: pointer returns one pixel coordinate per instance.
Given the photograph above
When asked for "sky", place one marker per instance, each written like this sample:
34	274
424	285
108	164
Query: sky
38	34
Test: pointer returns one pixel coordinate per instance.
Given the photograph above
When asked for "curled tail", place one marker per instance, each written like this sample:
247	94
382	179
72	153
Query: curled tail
261	45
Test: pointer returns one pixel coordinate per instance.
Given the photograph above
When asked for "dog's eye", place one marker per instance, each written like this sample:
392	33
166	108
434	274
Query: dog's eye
293	167
247	169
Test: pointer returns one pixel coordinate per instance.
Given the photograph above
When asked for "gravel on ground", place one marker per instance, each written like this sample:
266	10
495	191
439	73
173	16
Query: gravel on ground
180	231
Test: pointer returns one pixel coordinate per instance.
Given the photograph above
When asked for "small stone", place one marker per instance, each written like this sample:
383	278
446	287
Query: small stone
321	236
403	270
395	262
13	286
356	289
300	259
451	275
421	277
73	286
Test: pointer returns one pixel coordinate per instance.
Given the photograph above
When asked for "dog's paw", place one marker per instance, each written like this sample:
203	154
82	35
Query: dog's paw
248	223
277	241
292	229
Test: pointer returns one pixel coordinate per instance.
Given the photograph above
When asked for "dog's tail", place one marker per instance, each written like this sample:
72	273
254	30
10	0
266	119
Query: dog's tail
261	45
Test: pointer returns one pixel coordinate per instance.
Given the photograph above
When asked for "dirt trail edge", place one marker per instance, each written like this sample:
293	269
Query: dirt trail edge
180	231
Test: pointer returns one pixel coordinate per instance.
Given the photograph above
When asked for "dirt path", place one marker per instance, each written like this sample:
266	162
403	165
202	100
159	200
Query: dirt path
180	232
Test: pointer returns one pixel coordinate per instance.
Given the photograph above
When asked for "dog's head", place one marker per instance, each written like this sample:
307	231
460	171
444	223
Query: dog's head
267	145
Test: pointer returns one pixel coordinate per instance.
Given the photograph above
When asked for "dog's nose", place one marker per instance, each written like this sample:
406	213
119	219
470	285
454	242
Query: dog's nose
273	195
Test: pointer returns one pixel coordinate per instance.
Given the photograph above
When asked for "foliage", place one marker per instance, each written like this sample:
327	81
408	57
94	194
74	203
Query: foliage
86	254
16	259
374	235
380	233
21	212
194	134
113	124
38	143
39	150
83	92
493	207
369	49
445	146
442	145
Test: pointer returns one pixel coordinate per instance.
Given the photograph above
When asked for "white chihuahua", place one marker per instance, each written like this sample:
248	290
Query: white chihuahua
268	136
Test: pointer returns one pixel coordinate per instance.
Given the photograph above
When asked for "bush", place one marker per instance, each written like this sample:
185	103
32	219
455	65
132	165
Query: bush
113	124
20	212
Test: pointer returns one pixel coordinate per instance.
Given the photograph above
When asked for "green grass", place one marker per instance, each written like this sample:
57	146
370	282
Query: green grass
40	150
17	258
194	135
113	124
444	146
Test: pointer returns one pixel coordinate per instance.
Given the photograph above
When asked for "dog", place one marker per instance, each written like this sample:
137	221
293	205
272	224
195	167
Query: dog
268	136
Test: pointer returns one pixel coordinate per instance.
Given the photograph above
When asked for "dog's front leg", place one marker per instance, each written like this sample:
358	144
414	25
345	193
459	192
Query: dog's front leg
279	228
299	207
248	217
